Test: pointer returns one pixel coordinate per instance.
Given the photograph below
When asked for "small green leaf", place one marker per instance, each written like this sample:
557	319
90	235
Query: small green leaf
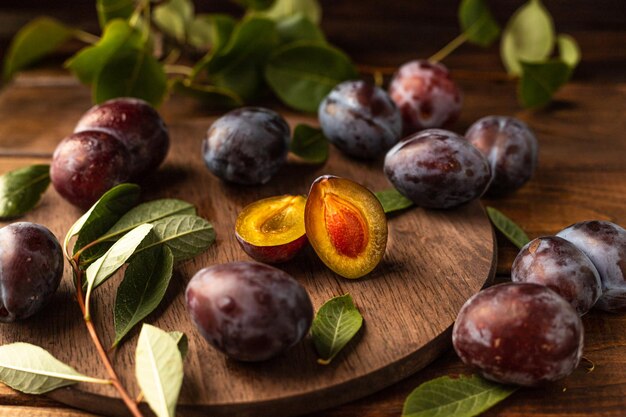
508	227
200	33
528	36
540	81
174	17
211	97
334	325
145	281
459	397
118	35
286	8
114	9
569	50
478	23
303	73
299	28
36	39
131	73
33	370
392	200
309	144
255	4
181	341
159	370
21	189
212	30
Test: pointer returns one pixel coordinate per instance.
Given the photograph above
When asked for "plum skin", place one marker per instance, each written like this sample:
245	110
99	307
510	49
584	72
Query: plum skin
511	148
426	95
519	333
87	164
561	266
248	310
437	169
360	119
273	254
605	244
31	268
247	145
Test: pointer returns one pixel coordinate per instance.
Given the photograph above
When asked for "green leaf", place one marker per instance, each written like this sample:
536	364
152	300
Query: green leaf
211	97
131	73
334	325
303	73
239	65
458	397
186	236
159	370
114	9
392	200
21	189
508	227
528	36
299	28
36	39
174	17
478	23
309	144
118	35
569	50
286	8
540	81
145	281
181	341
31	369
255	4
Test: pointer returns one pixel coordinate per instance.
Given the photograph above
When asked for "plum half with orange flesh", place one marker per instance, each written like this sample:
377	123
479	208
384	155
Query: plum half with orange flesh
346	226
272	229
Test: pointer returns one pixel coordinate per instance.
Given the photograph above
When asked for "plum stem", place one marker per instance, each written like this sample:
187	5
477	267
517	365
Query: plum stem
86	37
449	48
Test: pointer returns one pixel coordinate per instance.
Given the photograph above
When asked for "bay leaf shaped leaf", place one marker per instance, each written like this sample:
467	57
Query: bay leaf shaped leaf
282	9
114	9
569	51
181	341
309	144
508	227
392	200
478	23
299	28
21	189
174	17
540	80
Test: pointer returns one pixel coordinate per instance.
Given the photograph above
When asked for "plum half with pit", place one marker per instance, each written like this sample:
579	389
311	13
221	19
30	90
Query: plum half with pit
561	266
511	148
31	267
360	119
519	333
436	168
248	310
246	146
605	244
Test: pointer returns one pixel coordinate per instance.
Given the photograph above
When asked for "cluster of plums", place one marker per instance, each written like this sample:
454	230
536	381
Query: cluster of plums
117	141
529	331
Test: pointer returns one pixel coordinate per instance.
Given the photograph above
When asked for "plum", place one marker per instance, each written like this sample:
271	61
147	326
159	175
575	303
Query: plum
248	310
605	244
87	164
558	264
519	333
31	267
511	148
246	146
437	169
360	119
426	95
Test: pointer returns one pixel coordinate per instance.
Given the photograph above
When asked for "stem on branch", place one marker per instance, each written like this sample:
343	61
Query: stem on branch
86	37
449	48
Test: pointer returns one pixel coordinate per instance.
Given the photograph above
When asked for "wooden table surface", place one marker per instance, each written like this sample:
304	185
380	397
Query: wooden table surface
581	175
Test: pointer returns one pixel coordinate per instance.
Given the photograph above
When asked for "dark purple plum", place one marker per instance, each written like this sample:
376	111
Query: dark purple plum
561	266
31	267
437	169
605	244
246	146
360	119
137	125
248	310
524	334
87	164
511	148
426	95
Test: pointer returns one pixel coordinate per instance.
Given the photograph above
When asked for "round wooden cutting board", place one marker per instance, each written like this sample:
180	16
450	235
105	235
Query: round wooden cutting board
435	261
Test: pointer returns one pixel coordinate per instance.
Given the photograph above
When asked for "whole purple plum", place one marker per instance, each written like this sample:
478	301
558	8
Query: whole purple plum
523	334
31	267
437	169
248	310
605	244
87	164
360	119
561	266
511	148
247	146
426	95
